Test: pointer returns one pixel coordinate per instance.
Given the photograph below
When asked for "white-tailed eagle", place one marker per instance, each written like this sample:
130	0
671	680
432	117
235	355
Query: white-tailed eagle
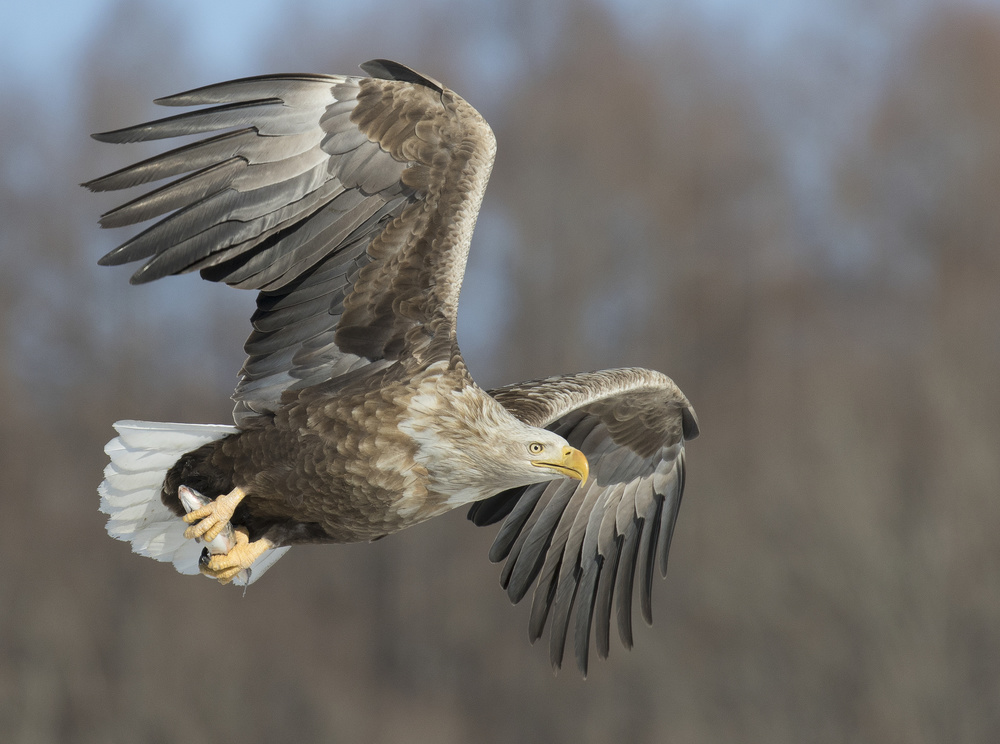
348	203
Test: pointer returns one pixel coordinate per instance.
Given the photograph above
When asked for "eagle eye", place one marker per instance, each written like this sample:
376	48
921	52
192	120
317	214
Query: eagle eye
535	448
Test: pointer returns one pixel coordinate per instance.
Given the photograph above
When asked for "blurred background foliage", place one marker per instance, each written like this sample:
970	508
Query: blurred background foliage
790	208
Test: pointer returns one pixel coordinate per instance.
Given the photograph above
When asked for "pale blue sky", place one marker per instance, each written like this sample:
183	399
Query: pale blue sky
48	35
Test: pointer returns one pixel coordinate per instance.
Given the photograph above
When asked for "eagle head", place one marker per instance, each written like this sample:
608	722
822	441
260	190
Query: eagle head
471	452
553	456
509	453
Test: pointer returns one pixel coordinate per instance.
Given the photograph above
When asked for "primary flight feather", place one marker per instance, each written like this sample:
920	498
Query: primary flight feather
349	204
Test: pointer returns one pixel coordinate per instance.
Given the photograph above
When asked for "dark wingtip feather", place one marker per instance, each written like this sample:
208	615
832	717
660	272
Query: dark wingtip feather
386	69
493	509
586	601
122	255
513	530
689	423
95	186
156	268
141	277
119	136
541	604
603	599
626	577
565	599
647	553
668	516
105	136
526	571
256	86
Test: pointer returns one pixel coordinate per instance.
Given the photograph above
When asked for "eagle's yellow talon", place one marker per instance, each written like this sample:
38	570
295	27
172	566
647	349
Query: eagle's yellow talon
225	567
209	520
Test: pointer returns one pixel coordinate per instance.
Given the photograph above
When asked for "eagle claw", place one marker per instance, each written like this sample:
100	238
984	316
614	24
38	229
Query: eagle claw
226	567
209	520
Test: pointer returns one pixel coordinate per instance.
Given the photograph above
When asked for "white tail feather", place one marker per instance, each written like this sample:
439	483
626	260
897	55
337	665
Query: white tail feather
141	455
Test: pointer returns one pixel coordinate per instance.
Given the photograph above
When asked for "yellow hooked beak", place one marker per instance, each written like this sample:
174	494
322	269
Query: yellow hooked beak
573	464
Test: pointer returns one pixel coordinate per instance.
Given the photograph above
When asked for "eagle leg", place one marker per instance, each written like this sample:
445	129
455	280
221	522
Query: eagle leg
227	566
212	518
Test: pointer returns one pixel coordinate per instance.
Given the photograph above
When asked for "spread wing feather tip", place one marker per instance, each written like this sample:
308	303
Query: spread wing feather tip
588	545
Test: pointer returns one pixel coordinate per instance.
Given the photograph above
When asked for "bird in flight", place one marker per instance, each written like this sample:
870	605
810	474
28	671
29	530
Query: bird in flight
348	203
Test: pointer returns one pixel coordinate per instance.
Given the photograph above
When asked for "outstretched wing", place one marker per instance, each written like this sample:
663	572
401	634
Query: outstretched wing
349	202
583	542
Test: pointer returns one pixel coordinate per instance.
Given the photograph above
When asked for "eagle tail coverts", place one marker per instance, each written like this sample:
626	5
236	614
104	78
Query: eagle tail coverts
141	455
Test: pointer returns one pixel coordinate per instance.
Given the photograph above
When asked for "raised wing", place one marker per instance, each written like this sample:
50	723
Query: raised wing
349	202
583	542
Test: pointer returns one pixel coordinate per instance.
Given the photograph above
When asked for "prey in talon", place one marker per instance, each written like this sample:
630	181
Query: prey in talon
224	540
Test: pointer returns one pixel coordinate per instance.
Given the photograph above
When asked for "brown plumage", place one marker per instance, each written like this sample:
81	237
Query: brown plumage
349	204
